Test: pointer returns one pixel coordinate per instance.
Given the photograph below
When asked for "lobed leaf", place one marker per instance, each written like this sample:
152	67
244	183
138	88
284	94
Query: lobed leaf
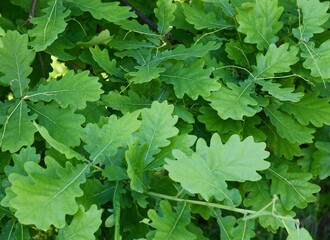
49	25
165	15
15	62
321	160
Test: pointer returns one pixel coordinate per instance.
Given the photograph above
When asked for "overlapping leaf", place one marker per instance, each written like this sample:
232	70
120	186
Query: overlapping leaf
321	162
49	25
260	22
225	5
314	16
110	11
72	89
193	80
52	191
62	125
103	143
164	14
171	225
294	188
234	101
83	225
15	62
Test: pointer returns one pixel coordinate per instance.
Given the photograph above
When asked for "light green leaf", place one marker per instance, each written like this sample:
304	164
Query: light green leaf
26	154
238	52
110	11
321	162
287	127
165	15
72	89
103	60
314	16
17	130
49	25
62	124
235	160
146	73
15	61
299	234
103	37
317	60
171	225
260	22
310	109
294	188
193	80
135	158
83	225
51	190
68	152
201	19
157	127
225	5
103	143
125	104
234	101
128	44
276	60
135	26
276	90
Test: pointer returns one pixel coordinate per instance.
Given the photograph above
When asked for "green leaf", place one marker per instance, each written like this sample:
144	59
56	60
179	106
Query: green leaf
234	101
165	15
294	188
49	25
125	104
317	60
72	89
299	234
135	158
62	124
110	11
193	80
225	5
103	37
314	16
310	109
276	60
103	143
103	60
321	162
238	52
260	22
17	131
54	190
83	225
15	61
276	90
171	225
201	19
287	127
68	152
146	73
156	128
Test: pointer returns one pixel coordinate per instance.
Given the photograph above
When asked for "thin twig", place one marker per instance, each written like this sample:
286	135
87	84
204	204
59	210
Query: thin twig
32	13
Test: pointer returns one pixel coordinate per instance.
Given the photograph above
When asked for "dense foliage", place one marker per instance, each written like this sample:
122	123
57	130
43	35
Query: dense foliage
202	119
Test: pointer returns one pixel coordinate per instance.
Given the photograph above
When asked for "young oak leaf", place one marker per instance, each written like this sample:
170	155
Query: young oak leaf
15	61
17	130
193	80
314	16
171	225
62	124
225	5
235	102
287	127
260	22
165	15
294	188
72	89
103	143
156	128
310	109
321	160
52	191
110	11
83	225
49	25
276	60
